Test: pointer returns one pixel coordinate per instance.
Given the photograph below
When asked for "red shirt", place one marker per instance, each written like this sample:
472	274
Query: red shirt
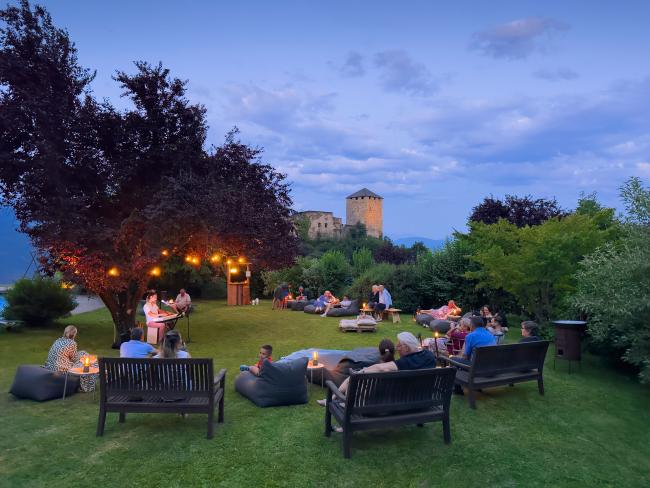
261	361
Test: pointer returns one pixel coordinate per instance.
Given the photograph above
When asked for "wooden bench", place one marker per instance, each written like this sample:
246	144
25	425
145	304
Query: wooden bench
502	365
382	400
159	386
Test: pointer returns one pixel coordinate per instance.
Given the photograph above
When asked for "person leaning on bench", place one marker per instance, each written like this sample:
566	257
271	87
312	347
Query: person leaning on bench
411	357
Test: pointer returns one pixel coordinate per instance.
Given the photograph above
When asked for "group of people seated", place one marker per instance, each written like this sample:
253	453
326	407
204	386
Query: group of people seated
327	301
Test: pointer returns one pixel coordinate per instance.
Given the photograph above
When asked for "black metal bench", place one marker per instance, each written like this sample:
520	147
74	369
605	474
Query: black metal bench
160	386
380	400
502	365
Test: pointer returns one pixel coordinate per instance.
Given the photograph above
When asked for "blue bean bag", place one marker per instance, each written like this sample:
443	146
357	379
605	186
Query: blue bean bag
280	383
40	384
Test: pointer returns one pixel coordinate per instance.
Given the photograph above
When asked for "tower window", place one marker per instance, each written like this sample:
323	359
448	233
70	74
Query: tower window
318	224
326	225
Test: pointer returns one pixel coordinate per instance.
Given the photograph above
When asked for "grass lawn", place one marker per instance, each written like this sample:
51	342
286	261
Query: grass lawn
590	429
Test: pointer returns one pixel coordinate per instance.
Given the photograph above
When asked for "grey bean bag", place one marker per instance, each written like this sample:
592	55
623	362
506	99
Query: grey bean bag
309	309
351	311
424	319
337	366
40	384
281	383
441	326
299	305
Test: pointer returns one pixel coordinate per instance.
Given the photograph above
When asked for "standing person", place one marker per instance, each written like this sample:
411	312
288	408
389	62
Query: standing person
183	302
153	315
136	348
172	347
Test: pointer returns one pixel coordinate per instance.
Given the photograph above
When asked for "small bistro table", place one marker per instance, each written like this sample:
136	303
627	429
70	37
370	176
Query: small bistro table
79	372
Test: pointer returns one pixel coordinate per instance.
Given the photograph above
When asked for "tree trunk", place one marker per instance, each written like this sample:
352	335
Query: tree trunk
122	305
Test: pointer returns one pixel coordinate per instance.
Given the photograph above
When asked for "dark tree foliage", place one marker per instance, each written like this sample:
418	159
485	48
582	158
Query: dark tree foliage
97	189
388	252
520	211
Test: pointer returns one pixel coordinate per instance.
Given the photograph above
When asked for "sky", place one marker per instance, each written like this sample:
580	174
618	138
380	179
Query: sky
432	105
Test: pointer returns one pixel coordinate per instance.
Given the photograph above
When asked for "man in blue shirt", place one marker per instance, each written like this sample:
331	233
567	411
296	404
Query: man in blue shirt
135	348
479	337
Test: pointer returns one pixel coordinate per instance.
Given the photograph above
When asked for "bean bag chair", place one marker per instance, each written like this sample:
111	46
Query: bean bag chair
309	308
299	305
337	366
423	319
351	311
280	383
441	326
40	384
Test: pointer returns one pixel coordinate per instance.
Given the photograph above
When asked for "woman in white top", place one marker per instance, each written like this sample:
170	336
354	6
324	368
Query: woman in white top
171	347
153	315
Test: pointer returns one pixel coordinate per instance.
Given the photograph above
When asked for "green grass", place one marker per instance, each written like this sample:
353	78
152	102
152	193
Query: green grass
590	429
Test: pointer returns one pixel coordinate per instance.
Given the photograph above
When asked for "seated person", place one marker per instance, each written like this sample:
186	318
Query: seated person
529	331
301	294
457	335
479	337
173	347
63	356
154	317
384	301
136	348
411	357
183	302
265	353
486	314
346	302
386	350
496	328
323	300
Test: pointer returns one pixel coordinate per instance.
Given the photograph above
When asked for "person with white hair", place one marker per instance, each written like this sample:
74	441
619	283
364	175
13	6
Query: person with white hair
411	357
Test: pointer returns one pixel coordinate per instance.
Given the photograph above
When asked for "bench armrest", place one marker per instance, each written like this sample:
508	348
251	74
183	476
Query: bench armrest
335	391
458	364
220	378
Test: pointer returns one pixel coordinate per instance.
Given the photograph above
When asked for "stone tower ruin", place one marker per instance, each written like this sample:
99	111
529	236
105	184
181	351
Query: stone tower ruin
365	207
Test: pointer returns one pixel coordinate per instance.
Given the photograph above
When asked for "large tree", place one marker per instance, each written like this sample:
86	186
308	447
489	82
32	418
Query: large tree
519	211
101	192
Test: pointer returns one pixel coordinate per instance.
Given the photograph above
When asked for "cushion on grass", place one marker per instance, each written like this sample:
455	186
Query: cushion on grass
423	319
40	384
299	305
280	383
352	310
309	309
441	326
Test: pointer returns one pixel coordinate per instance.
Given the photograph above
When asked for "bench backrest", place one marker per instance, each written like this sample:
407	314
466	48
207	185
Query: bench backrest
509	358
156	378
399	391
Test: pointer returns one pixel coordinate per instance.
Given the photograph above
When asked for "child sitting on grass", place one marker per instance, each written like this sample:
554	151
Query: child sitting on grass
265	353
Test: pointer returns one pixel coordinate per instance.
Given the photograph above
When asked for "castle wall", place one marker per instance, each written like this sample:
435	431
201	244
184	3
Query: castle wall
323	224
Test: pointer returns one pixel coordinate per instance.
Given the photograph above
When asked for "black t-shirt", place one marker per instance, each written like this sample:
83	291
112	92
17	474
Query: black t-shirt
529	339
418	360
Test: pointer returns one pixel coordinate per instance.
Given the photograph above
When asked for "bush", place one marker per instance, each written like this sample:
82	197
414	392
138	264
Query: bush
398	280
214	289
38	301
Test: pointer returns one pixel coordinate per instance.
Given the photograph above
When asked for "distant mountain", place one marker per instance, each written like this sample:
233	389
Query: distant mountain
432	244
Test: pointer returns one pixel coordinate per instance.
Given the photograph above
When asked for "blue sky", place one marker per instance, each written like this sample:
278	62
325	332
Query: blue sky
432	105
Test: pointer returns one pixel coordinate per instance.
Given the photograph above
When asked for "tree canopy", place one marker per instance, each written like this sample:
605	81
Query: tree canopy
102	192
519	211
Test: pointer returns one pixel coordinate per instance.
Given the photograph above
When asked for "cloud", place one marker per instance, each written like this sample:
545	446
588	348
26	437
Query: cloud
517	39
560	74
400	73
354	65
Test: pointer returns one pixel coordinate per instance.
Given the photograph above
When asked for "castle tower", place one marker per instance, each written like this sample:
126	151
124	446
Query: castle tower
365	207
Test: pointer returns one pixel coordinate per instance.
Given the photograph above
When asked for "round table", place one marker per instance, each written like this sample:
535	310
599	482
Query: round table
79	372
